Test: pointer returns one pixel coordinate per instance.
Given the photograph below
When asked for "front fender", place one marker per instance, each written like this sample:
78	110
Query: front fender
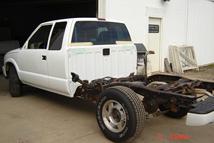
6	64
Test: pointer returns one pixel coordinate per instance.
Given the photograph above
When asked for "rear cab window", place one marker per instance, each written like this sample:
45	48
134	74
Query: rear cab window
99	32
57	36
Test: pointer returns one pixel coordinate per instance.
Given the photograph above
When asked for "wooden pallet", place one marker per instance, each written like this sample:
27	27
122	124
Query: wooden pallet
182	58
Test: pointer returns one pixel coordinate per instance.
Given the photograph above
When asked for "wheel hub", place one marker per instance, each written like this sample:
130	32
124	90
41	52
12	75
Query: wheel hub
114	116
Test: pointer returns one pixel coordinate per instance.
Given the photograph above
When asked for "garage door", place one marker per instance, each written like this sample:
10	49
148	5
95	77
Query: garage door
18	18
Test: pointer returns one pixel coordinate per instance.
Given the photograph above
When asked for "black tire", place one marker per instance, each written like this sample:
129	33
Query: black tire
180	113
133	111
1	69
15	85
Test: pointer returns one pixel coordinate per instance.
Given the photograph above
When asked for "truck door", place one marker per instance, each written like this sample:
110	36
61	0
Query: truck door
33	58
56	59
100	49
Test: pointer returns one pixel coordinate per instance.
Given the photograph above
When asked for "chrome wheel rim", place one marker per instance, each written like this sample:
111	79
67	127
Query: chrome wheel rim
114	116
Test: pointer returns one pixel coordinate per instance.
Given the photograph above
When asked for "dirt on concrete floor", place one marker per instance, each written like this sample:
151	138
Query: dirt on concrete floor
43	117
206	72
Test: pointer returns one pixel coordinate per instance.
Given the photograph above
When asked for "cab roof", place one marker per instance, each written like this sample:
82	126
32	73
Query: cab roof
81	19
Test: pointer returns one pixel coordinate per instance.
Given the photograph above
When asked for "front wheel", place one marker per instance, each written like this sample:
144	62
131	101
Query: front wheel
120	114
15	85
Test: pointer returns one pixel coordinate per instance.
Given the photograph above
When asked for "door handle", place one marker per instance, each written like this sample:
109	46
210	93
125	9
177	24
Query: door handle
106	52
44	57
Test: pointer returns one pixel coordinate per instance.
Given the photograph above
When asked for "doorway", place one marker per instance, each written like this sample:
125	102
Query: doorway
154	41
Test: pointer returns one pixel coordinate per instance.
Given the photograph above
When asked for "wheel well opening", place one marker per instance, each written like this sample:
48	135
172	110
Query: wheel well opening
7	68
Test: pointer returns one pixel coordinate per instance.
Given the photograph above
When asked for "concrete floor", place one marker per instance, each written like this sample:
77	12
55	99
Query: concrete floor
43	117
205	72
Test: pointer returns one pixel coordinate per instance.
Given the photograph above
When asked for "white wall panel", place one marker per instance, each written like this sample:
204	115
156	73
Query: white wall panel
183	22
201	29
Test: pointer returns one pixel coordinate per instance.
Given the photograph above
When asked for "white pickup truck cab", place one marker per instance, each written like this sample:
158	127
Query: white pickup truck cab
90	47
58	54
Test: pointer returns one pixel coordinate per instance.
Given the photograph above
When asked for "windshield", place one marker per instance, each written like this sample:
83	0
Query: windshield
98	33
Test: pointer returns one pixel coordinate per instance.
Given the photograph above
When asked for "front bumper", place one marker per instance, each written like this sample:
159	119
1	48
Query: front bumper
202	114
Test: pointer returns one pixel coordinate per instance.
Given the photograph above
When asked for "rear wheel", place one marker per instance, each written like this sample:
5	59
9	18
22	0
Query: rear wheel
178	113
15	85
120	114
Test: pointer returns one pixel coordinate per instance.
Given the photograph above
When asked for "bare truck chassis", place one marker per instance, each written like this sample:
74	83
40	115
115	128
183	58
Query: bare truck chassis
172	95
166	90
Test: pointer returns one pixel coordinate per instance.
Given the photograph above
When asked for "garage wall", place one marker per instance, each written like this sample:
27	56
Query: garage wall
183	22
201	29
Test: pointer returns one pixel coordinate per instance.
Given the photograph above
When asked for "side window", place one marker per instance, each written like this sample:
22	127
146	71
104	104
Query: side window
40	39
57	36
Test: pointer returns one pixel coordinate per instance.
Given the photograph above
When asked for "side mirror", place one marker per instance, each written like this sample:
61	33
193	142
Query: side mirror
75	77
